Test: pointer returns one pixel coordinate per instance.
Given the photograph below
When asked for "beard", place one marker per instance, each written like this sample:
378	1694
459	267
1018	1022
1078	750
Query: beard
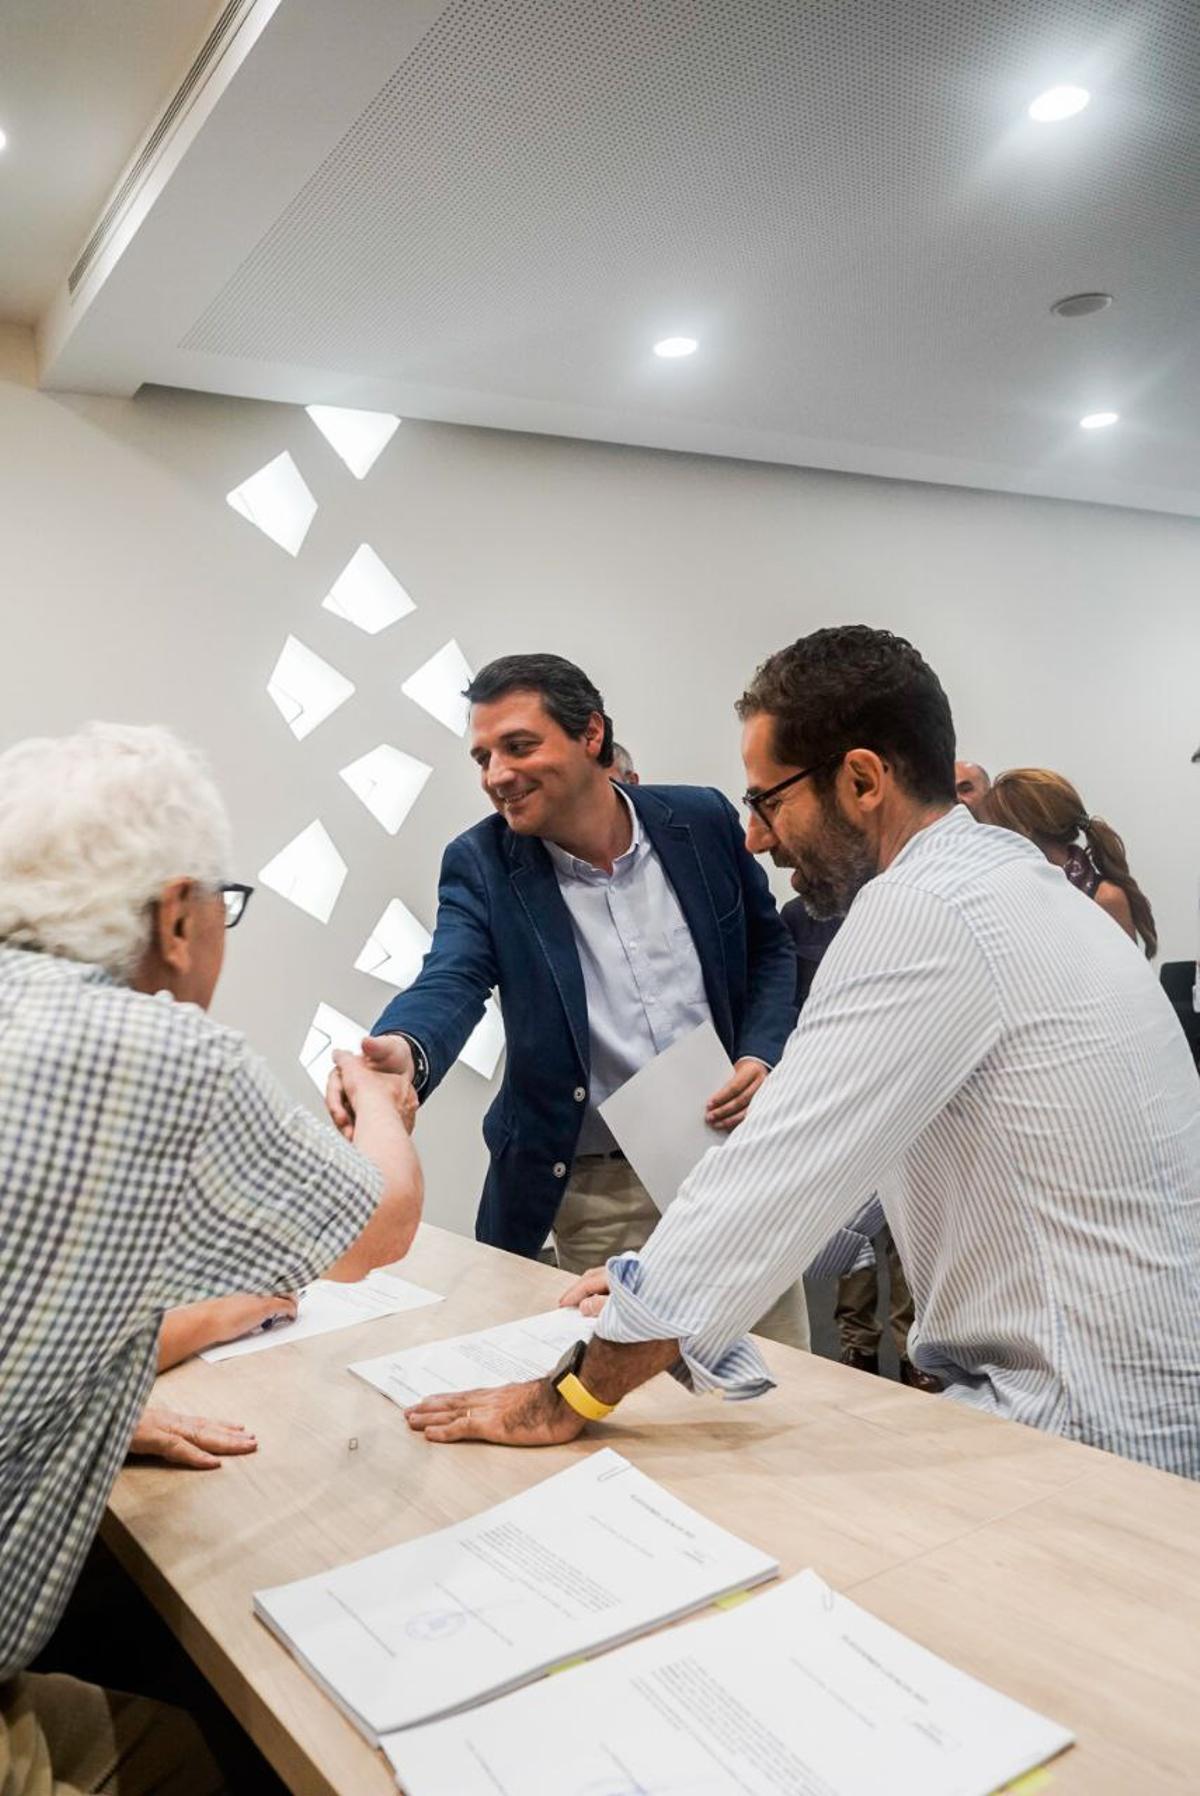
832	867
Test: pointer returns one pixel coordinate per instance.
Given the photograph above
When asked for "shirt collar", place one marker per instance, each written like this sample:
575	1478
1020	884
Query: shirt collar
571	867
957	819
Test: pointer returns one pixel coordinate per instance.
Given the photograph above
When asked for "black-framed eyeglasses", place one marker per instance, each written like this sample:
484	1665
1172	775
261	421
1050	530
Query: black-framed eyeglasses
755	801
236	897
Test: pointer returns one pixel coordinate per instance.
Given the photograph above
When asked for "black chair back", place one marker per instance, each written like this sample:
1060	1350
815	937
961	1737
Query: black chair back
1178	978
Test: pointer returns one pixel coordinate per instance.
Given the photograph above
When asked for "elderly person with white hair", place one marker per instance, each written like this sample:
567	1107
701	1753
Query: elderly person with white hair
147	1159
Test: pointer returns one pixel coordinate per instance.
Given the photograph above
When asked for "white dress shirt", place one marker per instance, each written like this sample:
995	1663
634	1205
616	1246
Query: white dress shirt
641	972
985	1047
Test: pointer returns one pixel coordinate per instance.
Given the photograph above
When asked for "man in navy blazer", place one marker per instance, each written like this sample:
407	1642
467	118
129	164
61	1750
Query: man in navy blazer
611	919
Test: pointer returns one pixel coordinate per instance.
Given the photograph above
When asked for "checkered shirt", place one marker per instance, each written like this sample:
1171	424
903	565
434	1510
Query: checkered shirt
147	1159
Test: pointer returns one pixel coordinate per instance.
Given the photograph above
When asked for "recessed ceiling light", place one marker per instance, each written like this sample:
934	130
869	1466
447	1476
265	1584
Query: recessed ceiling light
1058	102
3	139
1081	305
1098	420
670	347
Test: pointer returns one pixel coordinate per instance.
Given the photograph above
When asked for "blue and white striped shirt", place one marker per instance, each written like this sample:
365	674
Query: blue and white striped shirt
985	1047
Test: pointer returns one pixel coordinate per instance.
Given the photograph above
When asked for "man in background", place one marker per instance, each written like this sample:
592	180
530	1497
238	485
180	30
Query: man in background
147	1159
810	938
613	920
622	766
971	784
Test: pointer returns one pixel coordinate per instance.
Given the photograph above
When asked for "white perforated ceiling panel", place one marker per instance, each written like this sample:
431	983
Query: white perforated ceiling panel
844	200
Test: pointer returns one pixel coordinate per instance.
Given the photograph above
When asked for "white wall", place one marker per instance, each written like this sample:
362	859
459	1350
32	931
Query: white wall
1066	635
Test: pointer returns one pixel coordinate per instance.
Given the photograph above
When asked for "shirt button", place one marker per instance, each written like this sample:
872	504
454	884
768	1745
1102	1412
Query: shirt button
560	1169
580	1094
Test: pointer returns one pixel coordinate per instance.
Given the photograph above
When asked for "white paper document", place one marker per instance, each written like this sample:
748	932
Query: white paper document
509	1354
587	1558
328	1305
796	1693
657	1116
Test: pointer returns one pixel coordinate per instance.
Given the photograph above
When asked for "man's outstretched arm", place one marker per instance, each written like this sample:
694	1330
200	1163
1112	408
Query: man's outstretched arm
879	1052
446	1000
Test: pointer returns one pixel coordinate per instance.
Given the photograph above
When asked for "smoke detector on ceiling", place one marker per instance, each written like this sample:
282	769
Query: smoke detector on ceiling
1081	305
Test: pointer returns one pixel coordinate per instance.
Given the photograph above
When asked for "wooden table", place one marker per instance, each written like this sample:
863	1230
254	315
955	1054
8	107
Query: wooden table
1064	1577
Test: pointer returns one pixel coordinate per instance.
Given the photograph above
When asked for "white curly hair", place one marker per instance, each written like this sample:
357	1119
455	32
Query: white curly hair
92	826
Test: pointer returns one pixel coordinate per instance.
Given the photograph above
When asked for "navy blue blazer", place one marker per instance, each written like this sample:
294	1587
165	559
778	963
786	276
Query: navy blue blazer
502	922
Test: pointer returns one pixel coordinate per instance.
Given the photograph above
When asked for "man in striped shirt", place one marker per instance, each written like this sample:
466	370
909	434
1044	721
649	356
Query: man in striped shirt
982	1047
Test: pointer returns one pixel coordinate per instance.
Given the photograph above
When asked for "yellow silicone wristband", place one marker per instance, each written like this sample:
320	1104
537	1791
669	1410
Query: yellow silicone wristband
581	1400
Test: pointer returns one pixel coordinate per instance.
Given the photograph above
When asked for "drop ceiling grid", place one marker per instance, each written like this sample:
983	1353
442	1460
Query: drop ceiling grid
833	190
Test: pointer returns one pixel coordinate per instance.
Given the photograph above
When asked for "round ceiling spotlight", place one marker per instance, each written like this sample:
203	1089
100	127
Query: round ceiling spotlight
1081	305
1098	420
1058	103
3	139
670	347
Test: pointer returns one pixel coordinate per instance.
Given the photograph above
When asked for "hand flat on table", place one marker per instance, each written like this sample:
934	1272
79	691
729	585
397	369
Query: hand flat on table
193	1441
511	1415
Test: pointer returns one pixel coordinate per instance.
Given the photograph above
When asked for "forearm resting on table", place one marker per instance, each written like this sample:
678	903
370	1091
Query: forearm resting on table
192	1327
612	1369
189	1330
380	1136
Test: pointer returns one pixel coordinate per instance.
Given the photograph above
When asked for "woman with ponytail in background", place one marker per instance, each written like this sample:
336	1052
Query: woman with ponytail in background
1047	809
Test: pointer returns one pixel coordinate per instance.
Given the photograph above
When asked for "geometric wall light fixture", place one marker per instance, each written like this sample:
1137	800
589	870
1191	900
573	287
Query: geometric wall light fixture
358	437
437	687
389	783
393	952
395	947
328	1030
277	501
309	872
486	1042
367	593
305	689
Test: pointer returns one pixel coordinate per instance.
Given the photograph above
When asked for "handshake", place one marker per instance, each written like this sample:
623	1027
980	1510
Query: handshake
381	1077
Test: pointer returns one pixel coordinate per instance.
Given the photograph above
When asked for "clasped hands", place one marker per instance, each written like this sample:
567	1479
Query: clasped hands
386	1064
383	1071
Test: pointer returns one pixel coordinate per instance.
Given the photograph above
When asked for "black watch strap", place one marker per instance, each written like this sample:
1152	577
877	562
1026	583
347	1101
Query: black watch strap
420	1061
570	1362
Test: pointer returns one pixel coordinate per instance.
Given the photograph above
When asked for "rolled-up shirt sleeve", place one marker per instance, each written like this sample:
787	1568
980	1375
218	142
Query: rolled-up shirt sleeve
902	1012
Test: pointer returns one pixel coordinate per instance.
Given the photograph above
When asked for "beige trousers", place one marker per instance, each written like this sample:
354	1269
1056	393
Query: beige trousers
606	1210
59	1737
857	1305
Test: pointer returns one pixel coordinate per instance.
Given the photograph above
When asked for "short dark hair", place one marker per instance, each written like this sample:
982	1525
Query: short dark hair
564	689
854	687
